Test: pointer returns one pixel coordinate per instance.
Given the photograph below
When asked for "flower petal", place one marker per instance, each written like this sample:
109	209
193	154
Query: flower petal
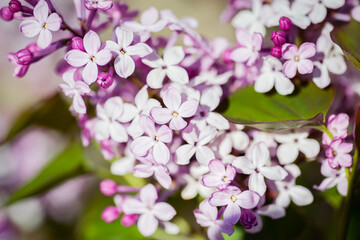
124	65
53	22
141	145
232	213
257	183
184	154
147	224
41	11
164	211
155	78
124	37
77	58
161	153
173	55
188	108
177	74
148	195
90	72
139	49
248	199
30	28
92	43
103	57
118	132
44	39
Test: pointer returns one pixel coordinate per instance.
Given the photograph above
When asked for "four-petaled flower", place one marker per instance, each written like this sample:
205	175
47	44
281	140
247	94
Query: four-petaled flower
219	176
338	153
98	4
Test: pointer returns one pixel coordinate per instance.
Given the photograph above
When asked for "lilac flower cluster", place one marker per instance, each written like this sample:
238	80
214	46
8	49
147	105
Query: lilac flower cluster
155	98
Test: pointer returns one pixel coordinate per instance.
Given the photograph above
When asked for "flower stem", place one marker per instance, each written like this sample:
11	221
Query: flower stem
346	206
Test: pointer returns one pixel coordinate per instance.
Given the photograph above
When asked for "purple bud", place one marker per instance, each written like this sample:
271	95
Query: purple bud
33	47
128	220
14	6
276	51
24	56
77	43
110	214
104	80
226	56
278	37
285	23
248	219
6	14
108	187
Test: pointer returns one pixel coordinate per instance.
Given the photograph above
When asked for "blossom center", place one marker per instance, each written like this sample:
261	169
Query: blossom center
92	58
233	198
45	25
156	138
175	114
225	179
334	153
122	52
296	58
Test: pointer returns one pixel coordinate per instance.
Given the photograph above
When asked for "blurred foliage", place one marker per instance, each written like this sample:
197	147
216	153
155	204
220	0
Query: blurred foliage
306	107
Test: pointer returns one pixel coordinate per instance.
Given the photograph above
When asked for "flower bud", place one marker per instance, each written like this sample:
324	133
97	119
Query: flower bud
104	80
248	219
278	37
6	14
77	43
285	23
108	187
276	51
110	214
15	6
24	56
128	220
226	55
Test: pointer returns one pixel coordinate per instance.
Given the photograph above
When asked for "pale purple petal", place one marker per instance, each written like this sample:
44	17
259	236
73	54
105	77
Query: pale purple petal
164	134
204	154
217	167
155	78
158	26
53	22
133	206
164	211
173	55
114	107
188	108
147	125
244	165
260	154
244	37
161	115
44	39
307	50
289	51
79	104
163	177
92	43
103	57
161	153
274	172
41	11
184	153
139	49
219	198
124	65
124	37
177	74
147	224
232	213
129	113
248	199
149	16
148	195
90	72
257	183
177	123
77	58
30	28
241	54
289	68
218	121
211	180
118	132
172	99
102	130
305	66
310	147
141	145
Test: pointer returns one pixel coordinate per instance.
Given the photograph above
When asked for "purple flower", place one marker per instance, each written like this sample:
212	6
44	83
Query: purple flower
207	216
298	59
124	64
250	46
219	176
337	125
150	211
91	58
259	168
148	24
166	67
98	4
176	110
234	200
248	219
41	25
75	89
338	153
156	140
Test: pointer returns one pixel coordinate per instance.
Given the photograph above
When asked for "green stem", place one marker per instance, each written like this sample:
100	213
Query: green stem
345	209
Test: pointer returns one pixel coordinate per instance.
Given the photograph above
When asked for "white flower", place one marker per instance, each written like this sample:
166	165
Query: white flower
319	11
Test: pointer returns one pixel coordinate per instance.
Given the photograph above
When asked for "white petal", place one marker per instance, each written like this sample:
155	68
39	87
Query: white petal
155	78
177	74
173	55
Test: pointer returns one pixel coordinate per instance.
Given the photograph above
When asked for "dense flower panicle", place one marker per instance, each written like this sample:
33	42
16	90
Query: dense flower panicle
154	111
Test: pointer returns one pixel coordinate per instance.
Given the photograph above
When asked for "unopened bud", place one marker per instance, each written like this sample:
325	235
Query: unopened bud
15	6
104	80
77	43
128	220
108	187
278	37
110	214
285	23
24	57
276	51
6	14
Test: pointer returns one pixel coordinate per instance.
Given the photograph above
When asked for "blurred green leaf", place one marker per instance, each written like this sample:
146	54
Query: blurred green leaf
237	235
52	113
66	165
347	37
306	107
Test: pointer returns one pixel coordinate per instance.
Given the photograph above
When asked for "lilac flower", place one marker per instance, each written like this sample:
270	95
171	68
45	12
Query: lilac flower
219	177
298	59
91	58
166	67
334	177
288	191
149	167
150	211
75	89
207	216
124	64
250	46
234	200
318	12
41	25
20	69
176	110
156	140
125	164
98	4
259	168
148	24
111	115
271	75
292	143
337	125
338	153
196	144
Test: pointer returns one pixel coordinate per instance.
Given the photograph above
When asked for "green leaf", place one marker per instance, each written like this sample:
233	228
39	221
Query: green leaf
347	37
66	165
306	107
52	113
